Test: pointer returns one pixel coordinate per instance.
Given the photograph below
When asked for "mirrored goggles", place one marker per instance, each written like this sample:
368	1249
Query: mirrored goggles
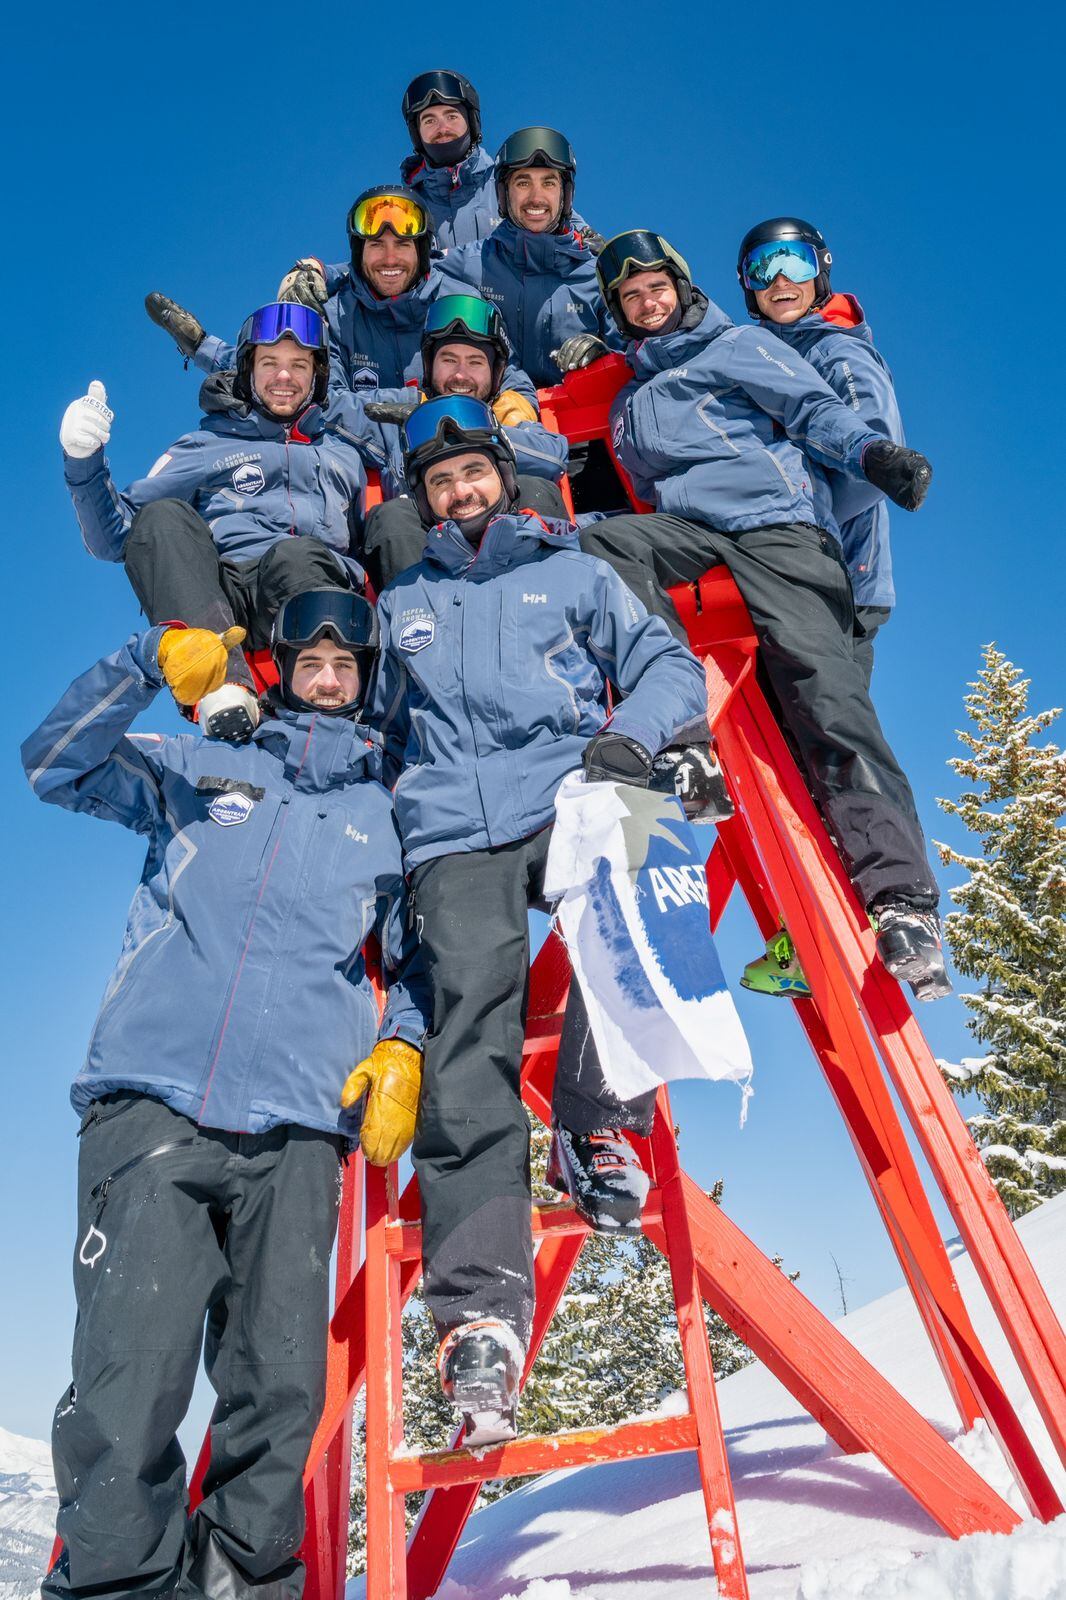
454	313
791	258
456	414
303	619
284	319
404	217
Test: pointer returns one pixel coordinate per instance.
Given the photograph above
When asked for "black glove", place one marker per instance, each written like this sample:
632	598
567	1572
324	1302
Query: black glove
904	475
579	351
612	758
305	283
182	326
396	411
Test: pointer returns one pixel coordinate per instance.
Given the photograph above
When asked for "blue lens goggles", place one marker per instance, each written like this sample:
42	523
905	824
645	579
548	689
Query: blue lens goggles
454	414
793	259
281	320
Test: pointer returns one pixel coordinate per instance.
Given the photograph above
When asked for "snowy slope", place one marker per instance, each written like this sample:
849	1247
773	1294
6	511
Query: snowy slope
815	1524
28	1507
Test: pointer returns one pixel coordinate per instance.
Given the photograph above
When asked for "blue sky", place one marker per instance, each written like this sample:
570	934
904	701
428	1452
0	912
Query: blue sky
150	152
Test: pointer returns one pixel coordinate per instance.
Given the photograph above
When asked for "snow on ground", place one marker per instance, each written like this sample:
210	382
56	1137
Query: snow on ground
815	1524
28	1508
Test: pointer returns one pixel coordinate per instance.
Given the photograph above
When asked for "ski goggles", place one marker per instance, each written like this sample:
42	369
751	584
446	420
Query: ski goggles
430	88
404	217
464	313
283	319
794	259
536	147
456	415
640	250
306	617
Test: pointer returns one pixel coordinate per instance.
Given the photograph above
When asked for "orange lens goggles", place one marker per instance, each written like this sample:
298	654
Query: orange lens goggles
405	219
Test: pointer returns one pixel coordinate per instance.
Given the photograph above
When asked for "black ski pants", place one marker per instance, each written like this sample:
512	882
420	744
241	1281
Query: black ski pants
798	592
869	620
471	1148
177	1223
177	574
394	537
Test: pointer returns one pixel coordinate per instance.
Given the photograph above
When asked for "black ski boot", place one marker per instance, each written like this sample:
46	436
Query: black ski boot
909	944
601	1174
480	1365
694	773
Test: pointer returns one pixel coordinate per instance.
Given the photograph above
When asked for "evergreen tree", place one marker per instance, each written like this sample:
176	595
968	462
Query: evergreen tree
612	1352
1010	934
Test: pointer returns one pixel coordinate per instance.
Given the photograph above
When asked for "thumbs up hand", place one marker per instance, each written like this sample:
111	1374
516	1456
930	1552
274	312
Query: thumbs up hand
86	425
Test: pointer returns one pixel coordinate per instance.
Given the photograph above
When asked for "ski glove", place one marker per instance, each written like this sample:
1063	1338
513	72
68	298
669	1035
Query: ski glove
510	408
305	283
396	411
193	660
580	351
390	1077
86	425
612	758
186	332
904	475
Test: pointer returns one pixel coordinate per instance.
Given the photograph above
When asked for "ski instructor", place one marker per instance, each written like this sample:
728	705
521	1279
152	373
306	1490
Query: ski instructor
212	1133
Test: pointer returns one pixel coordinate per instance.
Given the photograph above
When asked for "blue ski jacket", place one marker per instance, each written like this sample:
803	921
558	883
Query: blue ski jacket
493	677
719	420
538	452
544	285
240	997
252	480
837	341
461	200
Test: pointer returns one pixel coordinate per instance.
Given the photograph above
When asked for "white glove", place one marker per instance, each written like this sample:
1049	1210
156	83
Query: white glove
305	283
86	425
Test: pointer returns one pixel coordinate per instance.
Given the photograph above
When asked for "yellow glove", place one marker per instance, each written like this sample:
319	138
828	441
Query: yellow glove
390	1077
511	407
193	660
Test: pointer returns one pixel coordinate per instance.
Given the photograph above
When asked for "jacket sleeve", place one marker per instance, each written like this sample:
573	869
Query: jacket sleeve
514	378
460	270
104	513
80	756
538	451
335	273
663	683
864	383
215	355
376	442
406	1014
788	388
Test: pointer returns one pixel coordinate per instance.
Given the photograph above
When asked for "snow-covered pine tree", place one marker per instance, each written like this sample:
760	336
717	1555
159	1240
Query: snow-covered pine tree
1010	934
612	1352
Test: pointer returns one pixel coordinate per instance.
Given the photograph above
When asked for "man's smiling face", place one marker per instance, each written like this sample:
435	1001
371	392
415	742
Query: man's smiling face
784	301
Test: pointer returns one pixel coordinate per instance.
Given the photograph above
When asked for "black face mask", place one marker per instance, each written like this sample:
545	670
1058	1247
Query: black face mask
449	152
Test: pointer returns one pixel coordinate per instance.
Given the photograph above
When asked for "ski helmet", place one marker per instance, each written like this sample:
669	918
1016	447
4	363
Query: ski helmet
441	88
536	147
351	622
639	250
465	319
801	254
449	427
281	320
389	206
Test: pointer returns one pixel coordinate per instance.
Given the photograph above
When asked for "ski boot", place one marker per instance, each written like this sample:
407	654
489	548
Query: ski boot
778	972
909	944
694	773
231	712
601	1174
480	1364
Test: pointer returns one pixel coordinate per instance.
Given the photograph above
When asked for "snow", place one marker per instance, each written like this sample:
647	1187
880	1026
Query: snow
28	1506
814	1524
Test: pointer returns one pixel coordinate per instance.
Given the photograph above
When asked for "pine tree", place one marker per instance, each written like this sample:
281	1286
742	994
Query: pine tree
1010	934
612	1352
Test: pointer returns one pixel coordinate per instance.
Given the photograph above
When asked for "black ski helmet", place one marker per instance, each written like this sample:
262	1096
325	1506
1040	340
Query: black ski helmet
419	228
786	228
465	319
347	617
639	250
448	427
277	320
536	147
444	88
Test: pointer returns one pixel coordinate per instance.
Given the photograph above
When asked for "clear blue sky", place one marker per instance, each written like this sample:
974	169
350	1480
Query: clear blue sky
199	155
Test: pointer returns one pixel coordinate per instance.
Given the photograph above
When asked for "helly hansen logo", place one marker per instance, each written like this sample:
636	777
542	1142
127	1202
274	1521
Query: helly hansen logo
761	348
353	833
678	886
534	599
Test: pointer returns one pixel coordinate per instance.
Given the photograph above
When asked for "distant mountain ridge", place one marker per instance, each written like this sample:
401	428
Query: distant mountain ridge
28	1505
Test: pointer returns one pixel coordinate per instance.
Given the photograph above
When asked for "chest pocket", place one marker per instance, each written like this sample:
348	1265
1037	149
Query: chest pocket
339	872
428	642
238	826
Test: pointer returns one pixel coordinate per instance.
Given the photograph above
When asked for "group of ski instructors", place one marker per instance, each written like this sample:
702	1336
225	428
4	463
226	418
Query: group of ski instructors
442	663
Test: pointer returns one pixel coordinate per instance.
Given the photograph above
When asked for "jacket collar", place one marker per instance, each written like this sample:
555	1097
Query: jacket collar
407	310
319	752
648	356
540	252
510	540
443	181
225	413
841	313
